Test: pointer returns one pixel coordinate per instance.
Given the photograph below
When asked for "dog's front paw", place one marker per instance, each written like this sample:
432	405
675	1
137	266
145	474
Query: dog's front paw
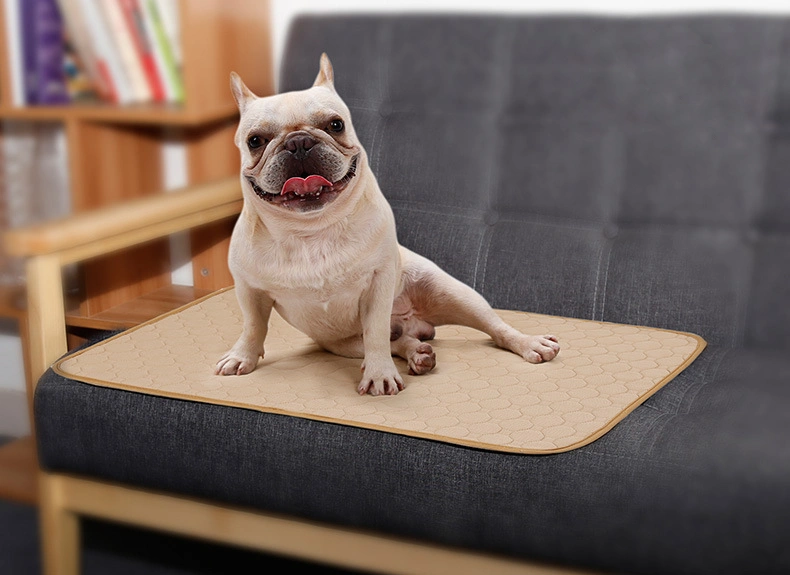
237	361
380	378
538	348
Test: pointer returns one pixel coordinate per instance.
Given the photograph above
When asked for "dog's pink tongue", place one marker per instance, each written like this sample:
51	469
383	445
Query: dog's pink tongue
303	186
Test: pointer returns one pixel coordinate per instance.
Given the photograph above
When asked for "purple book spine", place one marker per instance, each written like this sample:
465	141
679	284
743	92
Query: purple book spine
50	54
27	21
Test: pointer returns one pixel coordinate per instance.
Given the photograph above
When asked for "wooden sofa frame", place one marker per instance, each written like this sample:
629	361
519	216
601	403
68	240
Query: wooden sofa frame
64	498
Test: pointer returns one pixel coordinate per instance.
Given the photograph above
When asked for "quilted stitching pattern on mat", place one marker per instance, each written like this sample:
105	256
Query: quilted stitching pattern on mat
478	395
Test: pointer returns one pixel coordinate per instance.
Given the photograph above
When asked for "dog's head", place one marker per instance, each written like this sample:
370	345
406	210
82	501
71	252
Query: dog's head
299	152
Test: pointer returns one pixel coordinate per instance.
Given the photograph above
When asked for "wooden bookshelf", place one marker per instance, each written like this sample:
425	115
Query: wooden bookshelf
138	310
157	114
115	154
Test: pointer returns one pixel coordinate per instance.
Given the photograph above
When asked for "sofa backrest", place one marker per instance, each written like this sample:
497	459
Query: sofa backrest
623	169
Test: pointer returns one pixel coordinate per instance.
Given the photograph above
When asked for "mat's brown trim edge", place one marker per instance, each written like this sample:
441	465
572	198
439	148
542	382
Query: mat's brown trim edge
701	344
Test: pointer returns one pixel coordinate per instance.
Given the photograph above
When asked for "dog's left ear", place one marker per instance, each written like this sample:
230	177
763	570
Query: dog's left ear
326	76
241	93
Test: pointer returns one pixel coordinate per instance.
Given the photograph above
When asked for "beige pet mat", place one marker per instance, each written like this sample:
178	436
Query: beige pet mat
478	395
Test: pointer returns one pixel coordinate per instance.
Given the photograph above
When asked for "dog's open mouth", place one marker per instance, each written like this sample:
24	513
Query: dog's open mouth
308	192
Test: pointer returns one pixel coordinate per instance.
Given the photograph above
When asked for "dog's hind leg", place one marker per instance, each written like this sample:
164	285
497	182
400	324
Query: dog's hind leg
440	299
348	347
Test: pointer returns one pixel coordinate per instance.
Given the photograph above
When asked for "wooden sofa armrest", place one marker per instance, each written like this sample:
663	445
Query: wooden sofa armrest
105	230
50	246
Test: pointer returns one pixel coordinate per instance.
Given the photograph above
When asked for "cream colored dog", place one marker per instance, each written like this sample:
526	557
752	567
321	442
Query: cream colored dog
316	241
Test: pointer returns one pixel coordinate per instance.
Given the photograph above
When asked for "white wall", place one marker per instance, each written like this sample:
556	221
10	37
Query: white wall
13	372
13	405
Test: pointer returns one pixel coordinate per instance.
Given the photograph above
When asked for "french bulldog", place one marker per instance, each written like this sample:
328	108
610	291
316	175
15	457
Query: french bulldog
316	240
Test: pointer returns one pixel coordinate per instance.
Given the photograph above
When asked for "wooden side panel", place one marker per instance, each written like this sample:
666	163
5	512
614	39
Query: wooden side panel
210	247
5	68
220	36
111	163
211	155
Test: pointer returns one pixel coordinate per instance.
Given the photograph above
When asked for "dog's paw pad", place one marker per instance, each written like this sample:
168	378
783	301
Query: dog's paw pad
423	360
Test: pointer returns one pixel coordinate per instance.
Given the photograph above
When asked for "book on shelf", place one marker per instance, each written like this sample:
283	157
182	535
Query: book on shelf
51	88
164	54
107	52
119	51
35	52
13	33
33	181
80	86
168	11
42	53
133	18
114	20
79	38
27	23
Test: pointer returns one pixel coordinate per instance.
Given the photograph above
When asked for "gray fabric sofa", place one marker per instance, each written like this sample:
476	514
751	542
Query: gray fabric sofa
632	170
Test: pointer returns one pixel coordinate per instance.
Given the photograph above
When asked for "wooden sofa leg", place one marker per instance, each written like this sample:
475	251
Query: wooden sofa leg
59	527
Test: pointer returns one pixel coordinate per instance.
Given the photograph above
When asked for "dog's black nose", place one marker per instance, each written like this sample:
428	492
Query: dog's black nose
299	145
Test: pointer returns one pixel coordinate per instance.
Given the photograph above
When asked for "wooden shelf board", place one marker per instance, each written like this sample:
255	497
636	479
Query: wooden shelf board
165	114
19	471
138	310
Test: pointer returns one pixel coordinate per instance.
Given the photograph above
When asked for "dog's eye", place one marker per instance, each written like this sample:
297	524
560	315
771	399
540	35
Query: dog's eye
336	126
254	142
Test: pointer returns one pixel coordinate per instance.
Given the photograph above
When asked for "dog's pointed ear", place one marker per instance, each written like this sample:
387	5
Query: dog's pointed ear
241	93
326	76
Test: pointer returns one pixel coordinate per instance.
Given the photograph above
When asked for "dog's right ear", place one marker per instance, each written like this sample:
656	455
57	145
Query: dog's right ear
326	76
241	93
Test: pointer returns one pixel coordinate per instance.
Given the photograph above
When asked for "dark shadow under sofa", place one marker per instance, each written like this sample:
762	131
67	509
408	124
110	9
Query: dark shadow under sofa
629	170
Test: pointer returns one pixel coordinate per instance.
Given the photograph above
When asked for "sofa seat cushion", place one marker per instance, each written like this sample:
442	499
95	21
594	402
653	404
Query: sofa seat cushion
692	481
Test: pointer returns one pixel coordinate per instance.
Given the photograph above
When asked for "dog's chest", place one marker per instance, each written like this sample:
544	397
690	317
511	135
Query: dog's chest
317	288
311	269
